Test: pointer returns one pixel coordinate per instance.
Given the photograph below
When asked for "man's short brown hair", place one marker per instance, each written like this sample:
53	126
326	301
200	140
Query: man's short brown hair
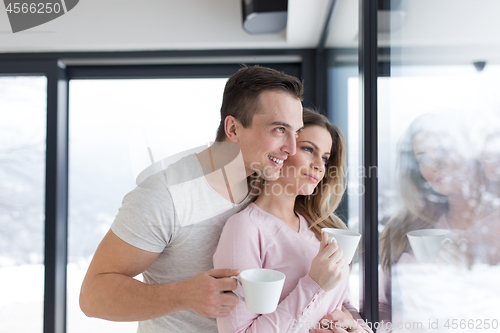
242	91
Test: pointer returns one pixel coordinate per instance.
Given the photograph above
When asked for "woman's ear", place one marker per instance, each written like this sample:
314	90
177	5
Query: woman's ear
232	128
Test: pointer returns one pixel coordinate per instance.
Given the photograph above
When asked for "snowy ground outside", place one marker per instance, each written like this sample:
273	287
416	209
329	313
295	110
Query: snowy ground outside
458	300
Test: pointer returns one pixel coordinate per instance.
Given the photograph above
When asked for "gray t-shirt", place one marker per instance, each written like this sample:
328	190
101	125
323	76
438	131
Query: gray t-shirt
176	213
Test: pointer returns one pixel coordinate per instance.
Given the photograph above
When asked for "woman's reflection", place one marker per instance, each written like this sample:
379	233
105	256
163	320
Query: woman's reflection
441	186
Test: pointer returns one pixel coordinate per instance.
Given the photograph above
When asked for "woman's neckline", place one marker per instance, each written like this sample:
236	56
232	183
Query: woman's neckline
300	227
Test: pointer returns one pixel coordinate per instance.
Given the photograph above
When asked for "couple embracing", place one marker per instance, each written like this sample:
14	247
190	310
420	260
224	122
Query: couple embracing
275	195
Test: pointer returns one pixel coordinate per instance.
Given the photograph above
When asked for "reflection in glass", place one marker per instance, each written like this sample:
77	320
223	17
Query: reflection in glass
443	241
23	113
117	129
438	118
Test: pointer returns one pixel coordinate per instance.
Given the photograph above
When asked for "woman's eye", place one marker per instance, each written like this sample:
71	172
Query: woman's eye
424	160
308	149
326	160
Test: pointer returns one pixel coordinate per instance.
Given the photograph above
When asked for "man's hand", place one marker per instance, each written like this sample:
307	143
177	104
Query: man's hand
209	294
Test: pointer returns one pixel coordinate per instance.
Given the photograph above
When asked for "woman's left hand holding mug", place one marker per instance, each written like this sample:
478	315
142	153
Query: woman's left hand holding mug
327	268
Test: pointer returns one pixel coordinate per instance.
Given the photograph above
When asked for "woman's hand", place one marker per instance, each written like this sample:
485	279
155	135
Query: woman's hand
339	321
339	318
327	268
338	329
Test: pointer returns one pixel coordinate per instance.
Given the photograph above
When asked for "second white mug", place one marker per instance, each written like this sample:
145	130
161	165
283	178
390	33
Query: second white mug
347	240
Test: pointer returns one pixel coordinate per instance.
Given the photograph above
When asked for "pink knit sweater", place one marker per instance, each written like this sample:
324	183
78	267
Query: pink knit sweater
254	238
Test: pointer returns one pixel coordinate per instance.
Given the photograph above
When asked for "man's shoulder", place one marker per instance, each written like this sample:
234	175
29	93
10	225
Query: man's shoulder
184	170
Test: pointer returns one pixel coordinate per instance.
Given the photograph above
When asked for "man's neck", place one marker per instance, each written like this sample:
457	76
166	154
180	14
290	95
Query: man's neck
224	170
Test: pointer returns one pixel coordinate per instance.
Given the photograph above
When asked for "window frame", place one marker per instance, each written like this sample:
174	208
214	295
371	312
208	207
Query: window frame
61	67
56	185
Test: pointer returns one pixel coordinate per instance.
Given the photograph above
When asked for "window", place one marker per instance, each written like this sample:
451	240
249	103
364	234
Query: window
114	126
438	153
438	194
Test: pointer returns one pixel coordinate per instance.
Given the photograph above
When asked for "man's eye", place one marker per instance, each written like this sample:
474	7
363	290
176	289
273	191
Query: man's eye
280	129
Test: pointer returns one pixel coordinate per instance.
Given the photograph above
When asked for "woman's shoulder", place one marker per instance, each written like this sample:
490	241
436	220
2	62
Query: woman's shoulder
252	211
250	218
240	219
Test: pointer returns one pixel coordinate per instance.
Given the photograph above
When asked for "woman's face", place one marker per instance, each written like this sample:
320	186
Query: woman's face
303	171
439	163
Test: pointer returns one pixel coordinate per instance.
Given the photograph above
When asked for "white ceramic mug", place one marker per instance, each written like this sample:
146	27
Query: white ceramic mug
261	289
347	240
427	243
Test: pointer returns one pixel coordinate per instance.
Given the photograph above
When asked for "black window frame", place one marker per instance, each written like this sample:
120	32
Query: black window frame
56	185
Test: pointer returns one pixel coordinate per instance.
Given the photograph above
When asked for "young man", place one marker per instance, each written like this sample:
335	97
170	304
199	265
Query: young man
168	227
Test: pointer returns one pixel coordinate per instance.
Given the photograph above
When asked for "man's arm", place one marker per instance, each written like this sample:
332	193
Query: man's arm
110	292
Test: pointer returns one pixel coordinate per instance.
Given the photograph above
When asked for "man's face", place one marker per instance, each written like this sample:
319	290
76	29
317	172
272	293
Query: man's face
271	137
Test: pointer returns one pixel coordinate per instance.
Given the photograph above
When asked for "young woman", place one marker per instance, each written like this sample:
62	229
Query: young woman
281	230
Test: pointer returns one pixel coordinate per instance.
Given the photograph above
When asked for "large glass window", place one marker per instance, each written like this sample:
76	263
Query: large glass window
117	129
439	167
23	112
